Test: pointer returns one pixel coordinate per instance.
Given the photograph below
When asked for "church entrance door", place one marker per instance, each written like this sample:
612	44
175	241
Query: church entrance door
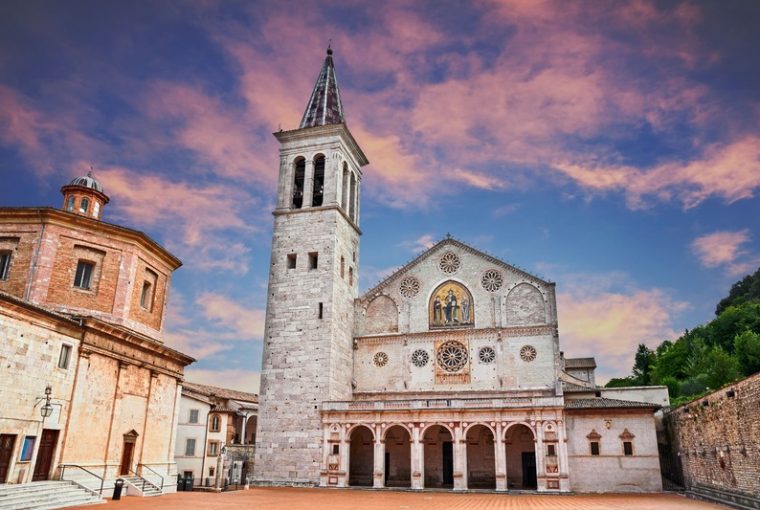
7	442
398	457
45	455
481	462
361	457
521	457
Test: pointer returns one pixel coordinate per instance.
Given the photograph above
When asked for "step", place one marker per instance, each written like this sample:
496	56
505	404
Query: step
31	495
45	495
49	499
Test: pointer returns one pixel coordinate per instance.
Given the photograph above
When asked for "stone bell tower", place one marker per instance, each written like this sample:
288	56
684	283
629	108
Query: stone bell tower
313	282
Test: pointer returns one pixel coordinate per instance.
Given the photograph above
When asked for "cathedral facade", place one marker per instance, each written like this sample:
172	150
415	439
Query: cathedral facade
448	374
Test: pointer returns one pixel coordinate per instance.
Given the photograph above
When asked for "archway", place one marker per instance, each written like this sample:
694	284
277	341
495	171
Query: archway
361	457
398	457
481	462
521	457
438	457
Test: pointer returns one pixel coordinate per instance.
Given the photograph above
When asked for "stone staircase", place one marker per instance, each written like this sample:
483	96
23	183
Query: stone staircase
730	498
143	486
45	495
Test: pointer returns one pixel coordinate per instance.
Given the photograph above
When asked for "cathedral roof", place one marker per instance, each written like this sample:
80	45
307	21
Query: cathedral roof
450	241
607	403
324	105
87	181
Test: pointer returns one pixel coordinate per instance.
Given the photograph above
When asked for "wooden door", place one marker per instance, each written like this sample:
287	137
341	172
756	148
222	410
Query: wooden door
7	442
45	455
126	458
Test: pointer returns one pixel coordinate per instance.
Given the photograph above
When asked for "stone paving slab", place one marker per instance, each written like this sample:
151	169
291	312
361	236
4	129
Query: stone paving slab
348	499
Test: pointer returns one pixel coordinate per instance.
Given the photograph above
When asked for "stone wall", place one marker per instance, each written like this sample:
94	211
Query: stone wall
716	439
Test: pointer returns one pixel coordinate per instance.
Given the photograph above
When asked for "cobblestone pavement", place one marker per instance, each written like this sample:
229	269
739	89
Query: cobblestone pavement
332	499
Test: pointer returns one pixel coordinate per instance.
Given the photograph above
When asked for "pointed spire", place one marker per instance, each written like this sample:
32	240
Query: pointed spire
324	105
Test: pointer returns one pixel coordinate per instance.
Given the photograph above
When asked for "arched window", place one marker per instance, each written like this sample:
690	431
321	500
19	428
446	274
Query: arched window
352	199
215	423
300	170
84	205
344	188
318	192
70	204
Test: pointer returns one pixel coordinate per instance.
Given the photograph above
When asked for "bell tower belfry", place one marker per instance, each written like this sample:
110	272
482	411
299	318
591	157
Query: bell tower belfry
313	282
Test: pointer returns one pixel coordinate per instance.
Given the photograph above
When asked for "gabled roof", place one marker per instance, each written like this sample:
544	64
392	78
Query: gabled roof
580	363
223	393
607	403
324	105
450	241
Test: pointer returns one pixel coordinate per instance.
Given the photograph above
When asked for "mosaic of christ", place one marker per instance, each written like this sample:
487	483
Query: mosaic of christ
451	305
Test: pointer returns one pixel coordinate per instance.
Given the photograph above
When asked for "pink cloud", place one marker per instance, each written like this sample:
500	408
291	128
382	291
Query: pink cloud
420	244
241	380
247	323
726	249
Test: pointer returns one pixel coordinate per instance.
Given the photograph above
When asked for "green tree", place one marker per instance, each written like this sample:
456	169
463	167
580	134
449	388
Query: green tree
734	320
644	362
747	348
674	386
621	382
671	361
745	290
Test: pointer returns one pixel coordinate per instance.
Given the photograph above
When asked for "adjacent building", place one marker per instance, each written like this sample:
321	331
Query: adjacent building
89	390
446	374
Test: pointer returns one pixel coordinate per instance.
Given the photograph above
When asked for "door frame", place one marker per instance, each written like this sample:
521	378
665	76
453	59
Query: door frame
11	452
43	449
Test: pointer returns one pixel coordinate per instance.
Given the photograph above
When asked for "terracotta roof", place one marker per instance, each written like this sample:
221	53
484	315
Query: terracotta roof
607	403
215	391
580	363
324	105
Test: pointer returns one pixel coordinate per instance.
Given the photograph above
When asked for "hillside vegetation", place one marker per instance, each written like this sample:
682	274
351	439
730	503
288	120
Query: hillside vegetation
708	356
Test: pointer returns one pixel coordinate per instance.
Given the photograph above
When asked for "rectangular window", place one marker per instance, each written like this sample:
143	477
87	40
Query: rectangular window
292	261
216	424
550	451
193	416
594	447
336	449
190	447
146	296
342	267
321	309
5	264
27	449
64	357
187	474
313	259
350	275
211	471
627	448
83	277
213	448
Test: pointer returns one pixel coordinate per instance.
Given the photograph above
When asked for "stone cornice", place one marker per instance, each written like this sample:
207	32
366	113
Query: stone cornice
509	332
330	129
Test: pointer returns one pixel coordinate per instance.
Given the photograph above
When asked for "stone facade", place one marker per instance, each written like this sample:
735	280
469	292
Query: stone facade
447	374
81	317
715	441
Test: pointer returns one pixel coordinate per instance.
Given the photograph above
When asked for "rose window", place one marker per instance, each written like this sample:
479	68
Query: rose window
409	287
487	355
420	358
452	356
528	353
380	359
491	280
449	262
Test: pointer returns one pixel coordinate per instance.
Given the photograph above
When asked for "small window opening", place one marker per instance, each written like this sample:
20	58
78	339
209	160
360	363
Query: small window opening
550	451
292	260
298	179
70	204
84	205
211	471
146	296
95	209
83	276
64	357
627	448
344	188
342	267
187	474
5	264
352	200
594	447
354	256
313	259
350	275
27	448
319	181
190	447
321	309
336	449
193	416
213	448
215	423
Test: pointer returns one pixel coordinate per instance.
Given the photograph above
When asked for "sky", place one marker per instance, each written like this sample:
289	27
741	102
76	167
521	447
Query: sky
611	147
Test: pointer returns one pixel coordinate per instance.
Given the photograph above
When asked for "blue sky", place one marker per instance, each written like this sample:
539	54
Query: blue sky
611	147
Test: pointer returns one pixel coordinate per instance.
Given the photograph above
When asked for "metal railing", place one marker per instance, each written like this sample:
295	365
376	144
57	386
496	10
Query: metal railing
143	467
63	467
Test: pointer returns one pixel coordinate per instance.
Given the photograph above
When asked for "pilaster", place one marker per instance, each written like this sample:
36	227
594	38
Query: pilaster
308	183
500	455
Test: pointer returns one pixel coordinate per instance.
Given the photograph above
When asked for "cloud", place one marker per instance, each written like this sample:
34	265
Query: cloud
725	248
235	379
504	210
227	313
607	316
420	244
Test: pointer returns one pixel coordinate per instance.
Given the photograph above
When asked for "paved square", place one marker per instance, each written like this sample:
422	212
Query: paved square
332	499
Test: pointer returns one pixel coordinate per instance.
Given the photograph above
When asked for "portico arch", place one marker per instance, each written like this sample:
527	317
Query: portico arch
398	457
361	456
520	444
481	457
438	456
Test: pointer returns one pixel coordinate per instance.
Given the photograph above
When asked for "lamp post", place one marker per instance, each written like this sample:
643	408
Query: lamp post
47	409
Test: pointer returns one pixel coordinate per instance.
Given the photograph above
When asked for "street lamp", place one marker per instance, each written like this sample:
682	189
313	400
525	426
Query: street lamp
47	409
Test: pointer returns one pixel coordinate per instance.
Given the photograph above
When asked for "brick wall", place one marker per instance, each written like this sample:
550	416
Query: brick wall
19	241
716	440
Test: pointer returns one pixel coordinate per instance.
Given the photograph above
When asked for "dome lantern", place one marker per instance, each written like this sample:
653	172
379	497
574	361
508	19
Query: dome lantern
84	196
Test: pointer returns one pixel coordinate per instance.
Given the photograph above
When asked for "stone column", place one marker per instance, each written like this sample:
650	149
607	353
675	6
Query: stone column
356	198
284	185
460	459
345	458
564	466
418	458
308	183
540	458
378	474
501	459
332	179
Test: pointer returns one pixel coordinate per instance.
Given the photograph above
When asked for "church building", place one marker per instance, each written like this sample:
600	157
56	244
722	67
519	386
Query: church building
447	374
